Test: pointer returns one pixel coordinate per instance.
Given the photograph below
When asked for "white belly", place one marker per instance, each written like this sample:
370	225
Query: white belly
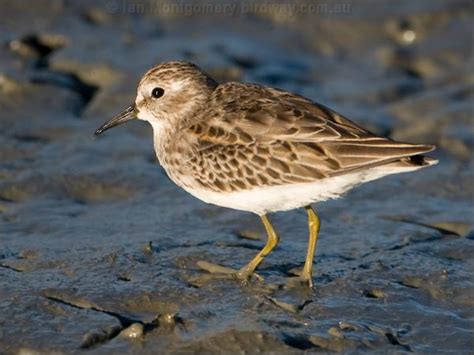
287	197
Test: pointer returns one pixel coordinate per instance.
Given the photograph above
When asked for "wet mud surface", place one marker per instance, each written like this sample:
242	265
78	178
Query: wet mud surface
100	252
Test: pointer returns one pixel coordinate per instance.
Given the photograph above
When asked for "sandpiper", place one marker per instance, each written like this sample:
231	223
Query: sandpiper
259	149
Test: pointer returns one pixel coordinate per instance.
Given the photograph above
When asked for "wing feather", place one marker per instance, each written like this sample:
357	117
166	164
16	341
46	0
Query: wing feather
286	138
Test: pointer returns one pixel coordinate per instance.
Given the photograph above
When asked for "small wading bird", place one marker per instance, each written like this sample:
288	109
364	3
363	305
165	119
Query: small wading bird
259	149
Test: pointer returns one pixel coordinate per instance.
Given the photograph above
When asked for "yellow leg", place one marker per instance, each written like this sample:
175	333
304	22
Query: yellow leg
272	242
313	225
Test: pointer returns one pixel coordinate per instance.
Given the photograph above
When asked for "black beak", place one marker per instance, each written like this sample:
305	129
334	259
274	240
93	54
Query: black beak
126	115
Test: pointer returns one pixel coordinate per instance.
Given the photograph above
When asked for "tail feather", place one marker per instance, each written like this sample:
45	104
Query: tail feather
353	156
418	161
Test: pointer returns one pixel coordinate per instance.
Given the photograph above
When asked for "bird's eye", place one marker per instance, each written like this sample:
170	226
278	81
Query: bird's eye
156	93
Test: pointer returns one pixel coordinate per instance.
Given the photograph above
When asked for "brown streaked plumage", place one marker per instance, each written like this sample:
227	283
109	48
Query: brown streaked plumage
266	137
257	148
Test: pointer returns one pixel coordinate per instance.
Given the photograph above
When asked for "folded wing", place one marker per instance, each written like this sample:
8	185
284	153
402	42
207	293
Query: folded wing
287	137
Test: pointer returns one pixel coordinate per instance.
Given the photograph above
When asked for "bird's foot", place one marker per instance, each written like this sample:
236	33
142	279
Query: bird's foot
244	274
302	279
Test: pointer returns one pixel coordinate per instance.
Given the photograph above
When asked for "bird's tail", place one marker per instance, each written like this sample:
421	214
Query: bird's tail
411	163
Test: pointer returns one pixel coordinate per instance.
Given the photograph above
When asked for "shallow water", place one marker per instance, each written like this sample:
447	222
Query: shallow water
99	250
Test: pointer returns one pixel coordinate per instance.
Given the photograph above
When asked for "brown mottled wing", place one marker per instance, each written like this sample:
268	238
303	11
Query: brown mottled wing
254	135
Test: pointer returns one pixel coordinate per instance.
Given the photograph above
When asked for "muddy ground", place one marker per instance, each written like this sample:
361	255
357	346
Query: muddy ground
99	250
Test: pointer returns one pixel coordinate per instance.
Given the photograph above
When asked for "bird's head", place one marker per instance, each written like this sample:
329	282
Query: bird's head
166	95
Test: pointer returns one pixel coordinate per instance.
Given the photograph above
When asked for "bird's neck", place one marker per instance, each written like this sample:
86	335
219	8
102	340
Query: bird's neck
162	137
174	152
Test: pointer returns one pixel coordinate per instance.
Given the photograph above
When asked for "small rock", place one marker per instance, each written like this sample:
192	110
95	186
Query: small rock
458	228
37	46
133	332
96	16
28	254
148	248
8	85
374	293
333	331
169	320
96	337
412	282
343	325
